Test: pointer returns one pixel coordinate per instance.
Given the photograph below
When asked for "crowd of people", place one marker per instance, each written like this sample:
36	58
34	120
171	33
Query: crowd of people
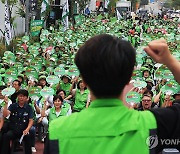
47	84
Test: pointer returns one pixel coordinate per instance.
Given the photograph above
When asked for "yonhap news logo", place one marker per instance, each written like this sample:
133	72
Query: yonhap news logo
152	142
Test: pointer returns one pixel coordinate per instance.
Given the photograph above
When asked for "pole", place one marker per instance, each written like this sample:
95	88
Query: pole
27	18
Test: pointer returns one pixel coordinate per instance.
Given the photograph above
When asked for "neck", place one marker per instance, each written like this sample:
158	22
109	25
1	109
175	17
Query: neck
58	109
21	104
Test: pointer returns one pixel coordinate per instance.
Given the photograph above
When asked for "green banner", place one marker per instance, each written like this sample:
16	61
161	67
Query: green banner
36	26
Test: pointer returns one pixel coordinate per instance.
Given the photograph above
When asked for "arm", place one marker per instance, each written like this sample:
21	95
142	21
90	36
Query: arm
157	97
37	108
1	123
6	112
43	114
158	50
1	119
88	100
26	131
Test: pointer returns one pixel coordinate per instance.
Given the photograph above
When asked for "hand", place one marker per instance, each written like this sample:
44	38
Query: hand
158	50
6	99
35	103
25	132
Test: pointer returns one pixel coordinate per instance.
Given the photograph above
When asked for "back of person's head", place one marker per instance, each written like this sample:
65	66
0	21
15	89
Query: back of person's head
106	64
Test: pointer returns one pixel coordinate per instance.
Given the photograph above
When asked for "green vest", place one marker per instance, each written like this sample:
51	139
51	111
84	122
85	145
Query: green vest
64	110
80	100
66	87
106	127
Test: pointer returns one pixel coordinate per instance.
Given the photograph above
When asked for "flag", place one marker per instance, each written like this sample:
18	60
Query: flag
106	3
118	15
44	6
8	31
65	15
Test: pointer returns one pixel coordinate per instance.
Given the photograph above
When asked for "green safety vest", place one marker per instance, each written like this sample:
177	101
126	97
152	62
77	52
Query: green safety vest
106	127
80	100
64	110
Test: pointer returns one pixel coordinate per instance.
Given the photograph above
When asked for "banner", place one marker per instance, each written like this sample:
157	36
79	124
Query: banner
36	26
106	3
44	6
65	15
8	31
119	15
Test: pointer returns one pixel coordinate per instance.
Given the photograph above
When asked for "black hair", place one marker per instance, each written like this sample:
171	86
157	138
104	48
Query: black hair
106	64
147	92
21	78
23	92
19	83
59	90
57	97
78	85
2	87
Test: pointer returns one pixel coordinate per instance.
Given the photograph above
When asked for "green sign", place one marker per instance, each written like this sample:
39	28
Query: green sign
78	19
8	91
36	26
133	97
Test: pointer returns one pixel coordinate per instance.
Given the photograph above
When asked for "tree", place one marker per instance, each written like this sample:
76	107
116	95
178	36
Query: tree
82	4
144	2
11	4
172	4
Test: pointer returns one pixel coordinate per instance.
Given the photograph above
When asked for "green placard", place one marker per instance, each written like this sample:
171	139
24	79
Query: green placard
36	26
46	91
140	84
133	97
52	79
59	71
34	93
8	91
31	73
78	19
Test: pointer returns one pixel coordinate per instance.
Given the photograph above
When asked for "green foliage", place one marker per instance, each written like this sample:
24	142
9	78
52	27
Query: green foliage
144	2
172	4
21	11
10	2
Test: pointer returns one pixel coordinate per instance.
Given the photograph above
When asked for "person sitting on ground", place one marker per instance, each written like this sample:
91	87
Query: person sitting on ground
20	122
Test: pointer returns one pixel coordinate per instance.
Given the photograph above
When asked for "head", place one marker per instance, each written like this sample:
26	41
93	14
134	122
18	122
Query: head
1	88
106	64
146	73
17	84
42	81
58	101
22	96
177	96
57	48
65	79
146	101
21	79
81	85
61	93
